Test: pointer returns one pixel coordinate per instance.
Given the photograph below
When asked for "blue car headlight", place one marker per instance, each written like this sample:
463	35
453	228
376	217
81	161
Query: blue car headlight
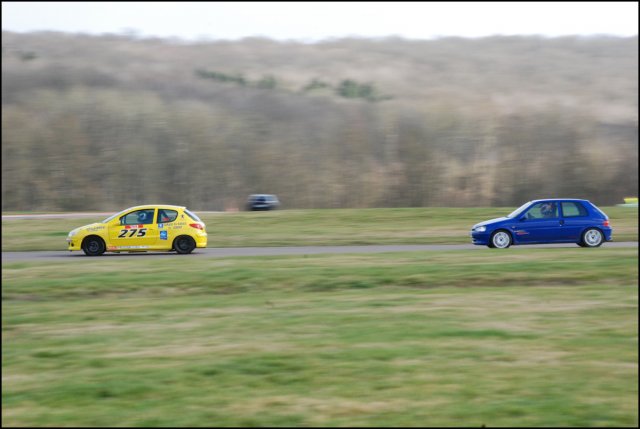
480	229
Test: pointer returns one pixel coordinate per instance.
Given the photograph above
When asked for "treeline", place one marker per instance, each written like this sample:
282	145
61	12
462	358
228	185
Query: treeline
347	88
101	123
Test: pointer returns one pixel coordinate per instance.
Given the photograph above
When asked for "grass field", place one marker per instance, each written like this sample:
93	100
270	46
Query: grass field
539	337
545	337
311	227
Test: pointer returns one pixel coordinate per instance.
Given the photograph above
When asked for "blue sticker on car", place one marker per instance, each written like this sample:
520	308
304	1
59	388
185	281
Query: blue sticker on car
163	235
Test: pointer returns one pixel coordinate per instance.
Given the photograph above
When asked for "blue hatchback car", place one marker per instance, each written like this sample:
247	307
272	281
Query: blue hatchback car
546	221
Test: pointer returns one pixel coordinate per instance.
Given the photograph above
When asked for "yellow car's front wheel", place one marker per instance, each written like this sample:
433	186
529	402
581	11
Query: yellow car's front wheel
93	246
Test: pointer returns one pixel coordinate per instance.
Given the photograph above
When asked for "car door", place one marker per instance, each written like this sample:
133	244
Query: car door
575	219
541	223
135	230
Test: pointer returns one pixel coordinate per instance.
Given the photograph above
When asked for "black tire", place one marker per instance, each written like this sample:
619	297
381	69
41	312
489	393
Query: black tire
93	246
592	237
500	239
184	244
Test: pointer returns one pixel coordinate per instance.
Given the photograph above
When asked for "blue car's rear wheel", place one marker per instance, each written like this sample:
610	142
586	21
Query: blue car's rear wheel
592	237
500	239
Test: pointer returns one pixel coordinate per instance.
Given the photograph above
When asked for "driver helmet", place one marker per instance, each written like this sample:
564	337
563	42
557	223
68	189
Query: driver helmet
547	209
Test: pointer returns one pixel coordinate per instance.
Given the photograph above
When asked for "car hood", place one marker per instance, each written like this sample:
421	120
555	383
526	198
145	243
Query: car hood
491	221
91	227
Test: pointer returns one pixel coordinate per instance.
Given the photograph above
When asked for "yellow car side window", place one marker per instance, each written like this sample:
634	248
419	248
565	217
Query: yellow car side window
166	215
139	217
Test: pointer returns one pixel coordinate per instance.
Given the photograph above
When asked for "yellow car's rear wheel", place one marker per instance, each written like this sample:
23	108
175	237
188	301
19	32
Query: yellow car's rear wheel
184	244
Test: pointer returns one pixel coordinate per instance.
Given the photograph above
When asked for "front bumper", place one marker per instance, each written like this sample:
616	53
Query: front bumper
479	238
74	244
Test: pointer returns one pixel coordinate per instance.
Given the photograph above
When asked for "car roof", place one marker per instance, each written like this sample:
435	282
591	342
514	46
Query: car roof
153	206
560	199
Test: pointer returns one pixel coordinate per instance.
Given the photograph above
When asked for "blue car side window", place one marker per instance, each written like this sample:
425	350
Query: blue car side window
548	210
572	209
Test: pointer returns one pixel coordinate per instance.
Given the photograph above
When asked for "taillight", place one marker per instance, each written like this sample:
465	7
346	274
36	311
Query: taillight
196	226
605	223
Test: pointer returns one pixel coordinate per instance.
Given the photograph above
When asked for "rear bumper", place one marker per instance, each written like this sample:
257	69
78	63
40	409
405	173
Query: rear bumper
201	240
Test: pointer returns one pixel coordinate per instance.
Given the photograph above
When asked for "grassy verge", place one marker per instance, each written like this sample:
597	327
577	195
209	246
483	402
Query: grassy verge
543	337
311	227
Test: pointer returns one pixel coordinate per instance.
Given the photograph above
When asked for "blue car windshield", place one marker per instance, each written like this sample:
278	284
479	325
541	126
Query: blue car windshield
519	210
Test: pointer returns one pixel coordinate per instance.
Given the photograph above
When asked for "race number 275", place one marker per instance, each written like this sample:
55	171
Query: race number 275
140	232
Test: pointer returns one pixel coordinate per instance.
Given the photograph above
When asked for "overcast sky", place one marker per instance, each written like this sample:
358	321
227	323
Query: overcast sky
314	21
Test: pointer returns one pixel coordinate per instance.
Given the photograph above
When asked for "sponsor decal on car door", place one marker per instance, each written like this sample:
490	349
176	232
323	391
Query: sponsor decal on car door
135	230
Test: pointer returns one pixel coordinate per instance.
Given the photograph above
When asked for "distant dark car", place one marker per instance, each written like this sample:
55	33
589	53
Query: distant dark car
262	202
546	221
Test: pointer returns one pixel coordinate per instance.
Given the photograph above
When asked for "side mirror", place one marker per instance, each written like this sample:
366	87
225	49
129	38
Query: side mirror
522	219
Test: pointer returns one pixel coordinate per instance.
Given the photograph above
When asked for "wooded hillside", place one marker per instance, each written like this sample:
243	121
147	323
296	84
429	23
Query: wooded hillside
102	123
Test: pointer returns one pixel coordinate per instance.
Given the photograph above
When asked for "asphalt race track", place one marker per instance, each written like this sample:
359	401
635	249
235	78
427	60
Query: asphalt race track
222	252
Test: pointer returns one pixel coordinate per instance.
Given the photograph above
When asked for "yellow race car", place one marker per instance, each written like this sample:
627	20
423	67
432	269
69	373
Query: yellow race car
142	229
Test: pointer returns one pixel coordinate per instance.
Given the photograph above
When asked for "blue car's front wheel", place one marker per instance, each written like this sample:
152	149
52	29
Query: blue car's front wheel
500	239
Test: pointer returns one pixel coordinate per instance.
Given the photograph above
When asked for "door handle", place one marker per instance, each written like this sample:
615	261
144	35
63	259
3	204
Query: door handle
561	222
